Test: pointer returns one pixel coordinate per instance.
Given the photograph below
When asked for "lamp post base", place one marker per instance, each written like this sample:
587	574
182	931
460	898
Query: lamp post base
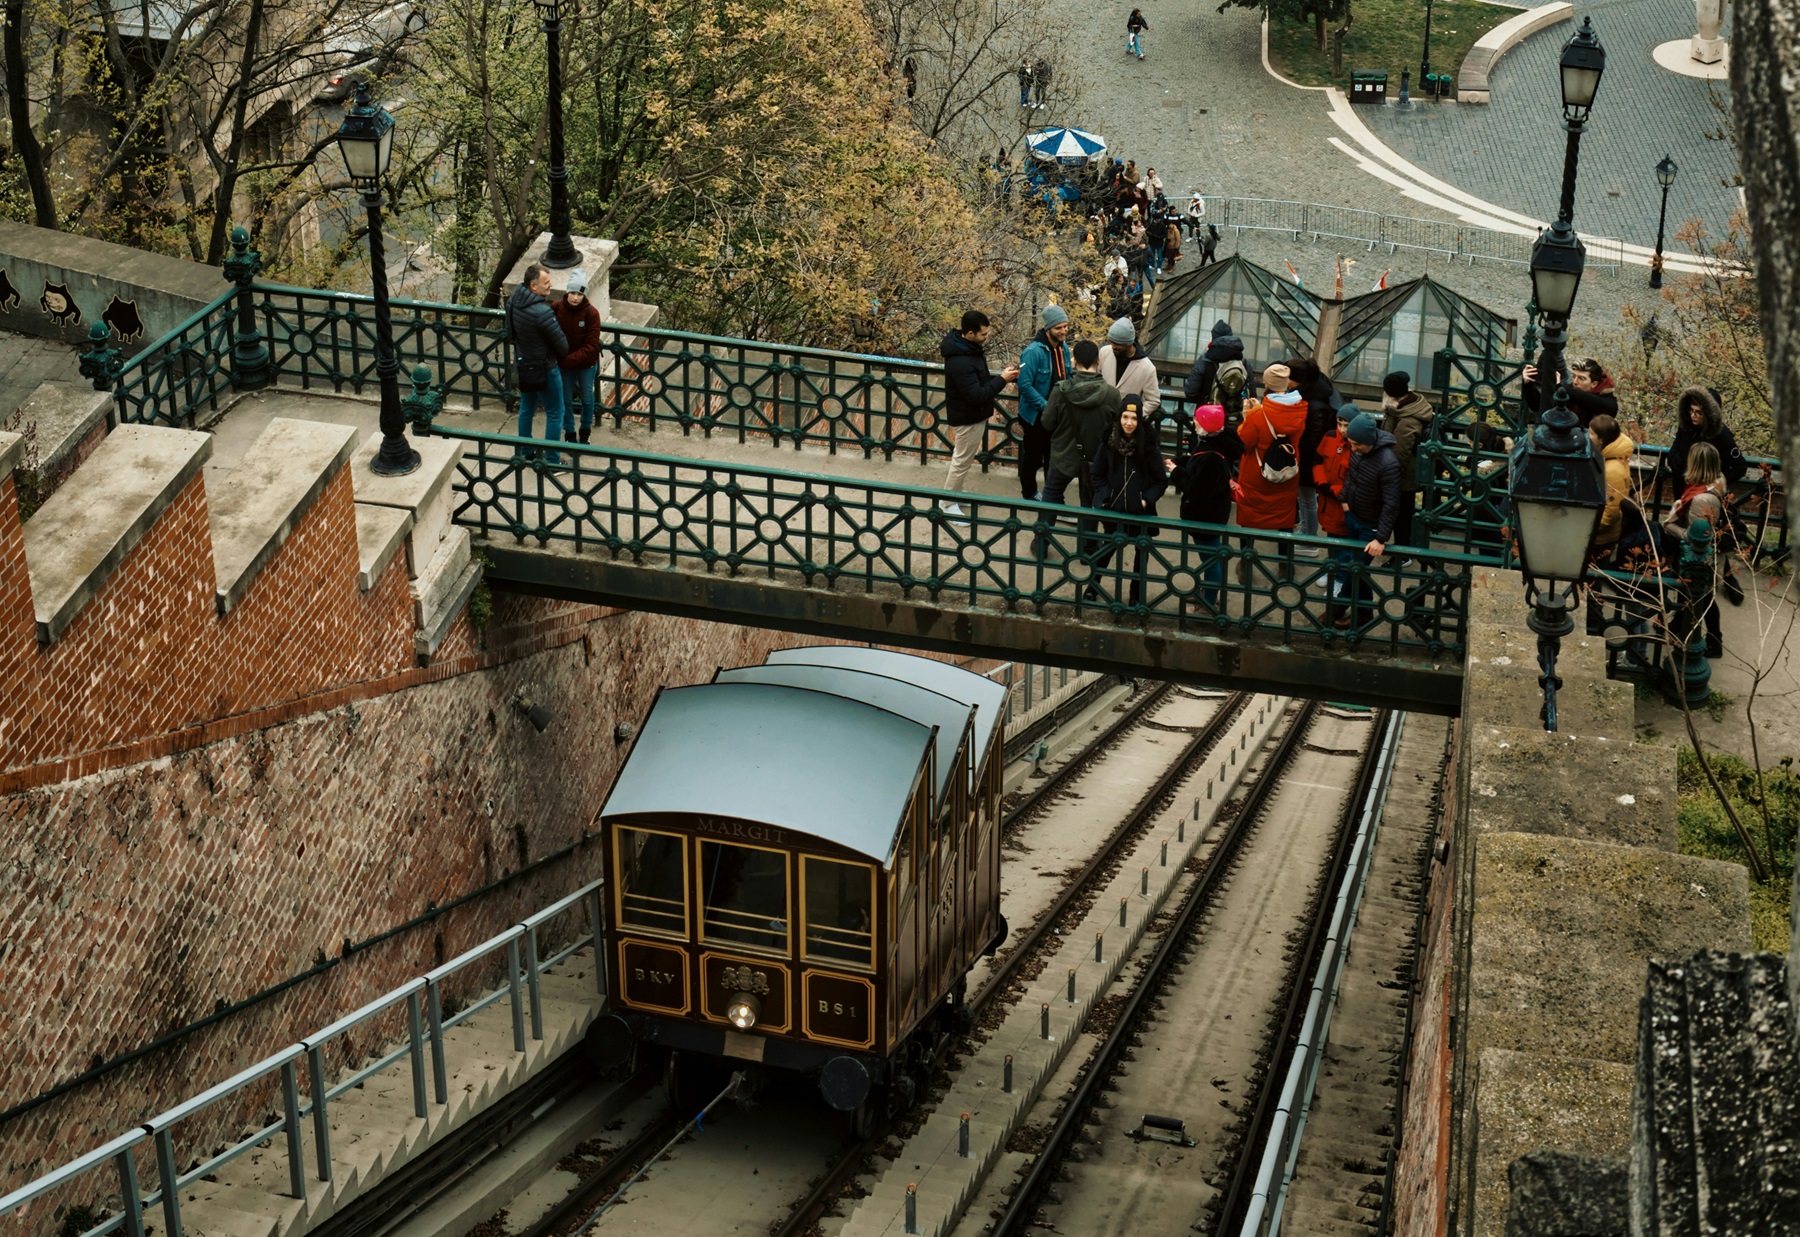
394	463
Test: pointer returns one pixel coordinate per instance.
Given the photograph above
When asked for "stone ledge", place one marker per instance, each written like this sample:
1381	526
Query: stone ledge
426	643
1561	930
1472	78
258	503
380	533
12	450
426	491
1500	683
65	413
78	539
1528	1100
1527	781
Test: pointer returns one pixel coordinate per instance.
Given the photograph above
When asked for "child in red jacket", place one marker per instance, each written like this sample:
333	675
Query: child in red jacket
1328	477
580	322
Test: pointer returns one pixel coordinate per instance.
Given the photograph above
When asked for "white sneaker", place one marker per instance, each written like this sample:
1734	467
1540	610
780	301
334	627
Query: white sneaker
956	513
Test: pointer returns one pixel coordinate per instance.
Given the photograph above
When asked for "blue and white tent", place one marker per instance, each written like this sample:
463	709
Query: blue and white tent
1073	147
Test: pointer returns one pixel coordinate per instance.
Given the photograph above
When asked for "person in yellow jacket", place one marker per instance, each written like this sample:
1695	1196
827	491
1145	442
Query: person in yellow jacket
1616	449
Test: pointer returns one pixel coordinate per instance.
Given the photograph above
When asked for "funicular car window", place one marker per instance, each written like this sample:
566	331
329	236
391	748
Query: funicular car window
839	908
652	891
744	895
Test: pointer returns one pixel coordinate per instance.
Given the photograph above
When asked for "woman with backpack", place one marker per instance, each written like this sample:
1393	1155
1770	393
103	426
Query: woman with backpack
1129	474
1205	482
1269	475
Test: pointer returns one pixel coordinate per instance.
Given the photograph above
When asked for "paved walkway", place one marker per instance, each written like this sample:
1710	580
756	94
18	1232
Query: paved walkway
26	361
1510	151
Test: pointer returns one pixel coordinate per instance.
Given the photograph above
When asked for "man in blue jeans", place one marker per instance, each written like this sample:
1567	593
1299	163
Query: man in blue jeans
1371	505
538	345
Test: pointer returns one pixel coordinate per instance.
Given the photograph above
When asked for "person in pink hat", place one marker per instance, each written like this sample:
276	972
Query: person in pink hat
1205	480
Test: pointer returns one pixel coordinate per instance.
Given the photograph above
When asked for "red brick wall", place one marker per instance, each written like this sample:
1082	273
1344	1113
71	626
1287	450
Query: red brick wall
149	655
136	898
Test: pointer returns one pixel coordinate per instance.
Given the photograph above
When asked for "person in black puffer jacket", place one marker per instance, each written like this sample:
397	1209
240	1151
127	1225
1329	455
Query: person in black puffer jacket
1322	400
1130	474
538	342
1205	480
1371	505
969	394
1698	418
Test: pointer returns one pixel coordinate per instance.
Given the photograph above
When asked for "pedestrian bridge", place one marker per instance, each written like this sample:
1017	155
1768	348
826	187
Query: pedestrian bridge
792	487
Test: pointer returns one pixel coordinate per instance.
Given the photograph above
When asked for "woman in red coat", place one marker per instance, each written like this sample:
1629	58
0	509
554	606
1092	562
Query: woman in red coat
1271	431
1328	477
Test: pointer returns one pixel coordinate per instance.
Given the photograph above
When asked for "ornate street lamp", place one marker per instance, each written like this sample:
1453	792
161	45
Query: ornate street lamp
366	140
1665	176
561	253
1425	56
1558	492
1557	261
1583	61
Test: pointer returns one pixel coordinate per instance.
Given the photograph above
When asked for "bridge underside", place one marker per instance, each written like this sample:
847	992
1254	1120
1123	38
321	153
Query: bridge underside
889	617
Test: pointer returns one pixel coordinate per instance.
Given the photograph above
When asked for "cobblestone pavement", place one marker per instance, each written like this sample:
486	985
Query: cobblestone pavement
1510	151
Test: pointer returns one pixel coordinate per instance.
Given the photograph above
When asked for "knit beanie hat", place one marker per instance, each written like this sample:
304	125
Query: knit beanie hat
1121	332
1221	327
1397	383
1054	315
578	281
1276	373
1209	418
1364	429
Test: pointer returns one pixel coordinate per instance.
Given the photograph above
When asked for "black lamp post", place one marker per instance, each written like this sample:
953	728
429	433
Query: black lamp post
366	140
561	253
1425	56
1558	491
1583	61
1665	176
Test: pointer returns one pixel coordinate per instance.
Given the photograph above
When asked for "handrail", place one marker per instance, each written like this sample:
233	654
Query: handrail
834	531
421	996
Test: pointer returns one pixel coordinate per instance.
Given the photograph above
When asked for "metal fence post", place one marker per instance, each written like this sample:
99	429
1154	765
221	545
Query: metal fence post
434	1028
517	994
532	986
171	1182
315	1064
595	912
415	1033
129	1197
290	1124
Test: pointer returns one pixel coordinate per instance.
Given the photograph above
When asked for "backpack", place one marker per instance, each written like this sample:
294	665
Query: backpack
1279	463
1229	381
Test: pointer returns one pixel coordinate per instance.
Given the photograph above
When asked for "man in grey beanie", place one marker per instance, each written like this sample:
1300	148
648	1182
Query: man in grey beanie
1043	364
1125	365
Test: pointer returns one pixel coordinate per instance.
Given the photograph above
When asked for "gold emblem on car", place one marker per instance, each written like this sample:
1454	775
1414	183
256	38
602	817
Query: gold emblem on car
743	979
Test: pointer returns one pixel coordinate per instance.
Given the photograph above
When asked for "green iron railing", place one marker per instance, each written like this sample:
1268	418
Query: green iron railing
184	373
834	533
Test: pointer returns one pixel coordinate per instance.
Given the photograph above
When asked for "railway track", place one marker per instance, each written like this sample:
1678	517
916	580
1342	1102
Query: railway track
1087	1126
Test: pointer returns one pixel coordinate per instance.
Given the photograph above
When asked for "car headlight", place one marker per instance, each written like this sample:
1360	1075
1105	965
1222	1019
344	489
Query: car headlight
742	1011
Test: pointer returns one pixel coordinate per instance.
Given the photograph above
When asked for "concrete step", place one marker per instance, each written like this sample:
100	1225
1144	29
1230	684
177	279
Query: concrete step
253	507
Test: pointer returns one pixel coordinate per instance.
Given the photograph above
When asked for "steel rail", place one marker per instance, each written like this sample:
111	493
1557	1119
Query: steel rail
1086	756
1021	1209
579	1202
1208	735
801	1218
1240	1191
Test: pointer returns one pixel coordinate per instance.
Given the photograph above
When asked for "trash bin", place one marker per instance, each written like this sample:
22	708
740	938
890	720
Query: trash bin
1368	86
1437	85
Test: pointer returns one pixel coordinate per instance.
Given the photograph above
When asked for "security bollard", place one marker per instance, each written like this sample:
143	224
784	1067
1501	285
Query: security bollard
1234	757
1165	852
1181	829
962	1138
1197	808
1143	889
1122	904
1044	1021
912	1207
1071	985
1209	787
1099	947
1006	1078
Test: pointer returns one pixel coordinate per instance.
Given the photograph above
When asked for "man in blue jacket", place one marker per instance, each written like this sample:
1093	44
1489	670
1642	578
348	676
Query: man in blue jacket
969	394
1044	363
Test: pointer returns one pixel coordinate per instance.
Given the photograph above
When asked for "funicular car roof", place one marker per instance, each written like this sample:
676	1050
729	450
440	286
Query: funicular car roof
837	769
954	718
988	697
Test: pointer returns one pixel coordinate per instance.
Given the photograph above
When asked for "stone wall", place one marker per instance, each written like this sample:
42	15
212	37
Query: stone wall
139	898
56	284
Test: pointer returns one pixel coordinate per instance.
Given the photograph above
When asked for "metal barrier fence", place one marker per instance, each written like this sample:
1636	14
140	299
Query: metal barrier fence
422	1001
1372	229
831	532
